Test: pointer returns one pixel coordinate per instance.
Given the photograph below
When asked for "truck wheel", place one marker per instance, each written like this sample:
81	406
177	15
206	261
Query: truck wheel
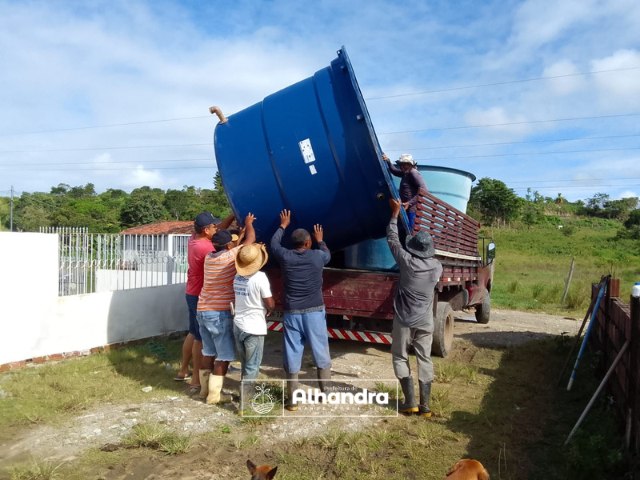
442	330
483	310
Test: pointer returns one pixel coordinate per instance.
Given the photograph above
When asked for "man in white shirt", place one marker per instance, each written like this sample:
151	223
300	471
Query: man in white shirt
253	301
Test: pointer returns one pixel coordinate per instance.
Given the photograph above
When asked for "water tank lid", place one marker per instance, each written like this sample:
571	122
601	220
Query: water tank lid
448	169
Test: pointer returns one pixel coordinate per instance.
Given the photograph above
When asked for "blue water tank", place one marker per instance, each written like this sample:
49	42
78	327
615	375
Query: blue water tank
310	148
448	184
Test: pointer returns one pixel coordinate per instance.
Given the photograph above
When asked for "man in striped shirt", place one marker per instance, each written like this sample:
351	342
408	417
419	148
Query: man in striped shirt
214	311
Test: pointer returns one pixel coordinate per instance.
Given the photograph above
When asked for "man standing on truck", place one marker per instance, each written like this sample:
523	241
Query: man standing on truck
411	182
413	312
304	315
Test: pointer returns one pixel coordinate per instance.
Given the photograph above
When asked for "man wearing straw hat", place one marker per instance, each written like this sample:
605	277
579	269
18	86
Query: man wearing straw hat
253	301
413	311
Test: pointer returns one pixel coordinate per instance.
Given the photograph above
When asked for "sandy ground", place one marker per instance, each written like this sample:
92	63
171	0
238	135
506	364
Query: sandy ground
107	424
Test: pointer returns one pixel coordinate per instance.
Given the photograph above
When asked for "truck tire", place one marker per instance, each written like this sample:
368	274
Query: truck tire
442	330
483	310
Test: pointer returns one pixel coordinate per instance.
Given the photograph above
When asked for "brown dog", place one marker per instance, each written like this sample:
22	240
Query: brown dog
467	469
261	472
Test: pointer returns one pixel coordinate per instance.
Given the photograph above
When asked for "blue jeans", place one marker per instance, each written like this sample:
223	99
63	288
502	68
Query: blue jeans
216	329
411	216
249	349
302	328
192	305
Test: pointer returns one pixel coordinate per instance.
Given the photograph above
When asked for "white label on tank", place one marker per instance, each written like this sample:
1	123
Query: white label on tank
306	151
312	169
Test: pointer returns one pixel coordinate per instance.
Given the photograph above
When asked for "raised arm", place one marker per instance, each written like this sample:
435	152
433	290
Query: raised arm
226	223
276	241
393	239
249	231
318	235
392	168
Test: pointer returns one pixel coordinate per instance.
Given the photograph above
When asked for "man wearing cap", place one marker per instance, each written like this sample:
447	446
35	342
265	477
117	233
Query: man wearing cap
214	311
304	315
411	182
413	311
253	301
205	226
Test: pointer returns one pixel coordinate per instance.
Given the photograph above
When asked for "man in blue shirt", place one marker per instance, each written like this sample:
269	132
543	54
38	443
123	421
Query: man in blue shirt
304	313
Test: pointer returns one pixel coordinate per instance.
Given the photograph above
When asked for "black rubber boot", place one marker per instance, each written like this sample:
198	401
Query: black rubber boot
409	405
324	375
425	394
292	385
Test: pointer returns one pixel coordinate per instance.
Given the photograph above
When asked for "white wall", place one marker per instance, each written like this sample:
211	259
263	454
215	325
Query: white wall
35	322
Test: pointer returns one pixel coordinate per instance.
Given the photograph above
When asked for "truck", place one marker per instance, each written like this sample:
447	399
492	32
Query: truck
359	303
311	148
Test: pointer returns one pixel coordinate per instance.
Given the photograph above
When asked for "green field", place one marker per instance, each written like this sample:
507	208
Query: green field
532	264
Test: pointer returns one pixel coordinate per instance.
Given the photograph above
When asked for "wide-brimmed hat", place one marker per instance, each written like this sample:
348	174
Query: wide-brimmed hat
420	245
406	158
251	258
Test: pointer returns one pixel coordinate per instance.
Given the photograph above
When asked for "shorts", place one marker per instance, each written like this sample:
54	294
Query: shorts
192	304
216	329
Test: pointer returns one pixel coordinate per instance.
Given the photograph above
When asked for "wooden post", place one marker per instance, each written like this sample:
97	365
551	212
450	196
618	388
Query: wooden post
567	283
632	372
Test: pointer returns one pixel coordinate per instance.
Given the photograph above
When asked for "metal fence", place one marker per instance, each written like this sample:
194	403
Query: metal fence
96	262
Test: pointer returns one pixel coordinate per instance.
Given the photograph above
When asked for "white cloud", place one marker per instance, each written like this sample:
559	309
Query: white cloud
568	82
620	88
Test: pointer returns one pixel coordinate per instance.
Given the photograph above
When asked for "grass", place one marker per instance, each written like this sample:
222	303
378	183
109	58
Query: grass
501	406
533	264
156	437
36	470
68	388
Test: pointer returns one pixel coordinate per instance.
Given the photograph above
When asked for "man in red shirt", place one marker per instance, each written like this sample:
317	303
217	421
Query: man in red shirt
205	226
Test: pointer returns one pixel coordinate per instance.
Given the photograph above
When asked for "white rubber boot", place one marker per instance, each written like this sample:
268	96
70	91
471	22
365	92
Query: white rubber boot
204	383
215	390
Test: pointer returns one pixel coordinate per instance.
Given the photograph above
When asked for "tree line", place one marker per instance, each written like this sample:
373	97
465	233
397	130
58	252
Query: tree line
495	204
492	202
113	210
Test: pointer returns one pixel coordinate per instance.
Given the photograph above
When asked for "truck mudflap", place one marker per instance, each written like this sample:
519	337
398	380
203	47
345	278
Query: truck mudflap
343	334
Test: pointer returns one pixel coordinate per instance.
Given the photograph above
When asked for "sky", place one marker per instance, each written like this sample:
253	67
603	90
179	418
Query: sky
542	95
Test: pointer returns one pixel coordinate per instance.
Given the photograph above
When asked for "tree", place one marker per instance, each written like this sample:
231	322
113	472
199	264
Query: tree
495	201
144	205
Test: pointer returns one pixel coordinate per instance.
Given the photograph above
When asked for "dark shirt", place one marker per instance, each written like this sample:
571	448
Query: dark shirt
410	183
301	272
413	303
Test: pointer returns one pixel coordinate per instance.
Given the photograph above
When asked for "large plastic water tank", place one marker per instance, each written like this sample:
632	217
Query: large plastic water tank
310	148
448	184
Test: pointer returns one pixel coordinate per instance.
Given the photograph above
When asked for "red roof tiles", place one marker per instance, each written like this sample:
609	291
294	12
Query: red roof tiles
161	228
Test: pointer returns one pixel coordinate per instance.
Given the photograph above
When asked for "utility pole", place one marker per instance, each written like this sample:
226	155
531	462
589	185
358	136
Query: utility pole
11	211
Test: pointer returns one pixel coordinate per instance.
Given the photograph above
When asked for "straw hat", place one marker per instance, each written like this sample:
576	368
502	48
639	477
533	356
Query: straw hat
406	158
251	258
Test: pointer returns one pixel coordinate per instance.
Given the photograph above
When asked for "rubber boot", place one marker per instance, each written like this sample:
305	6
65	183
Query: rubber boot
425	394
215	394
409	405
324	375
204	383
292	385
